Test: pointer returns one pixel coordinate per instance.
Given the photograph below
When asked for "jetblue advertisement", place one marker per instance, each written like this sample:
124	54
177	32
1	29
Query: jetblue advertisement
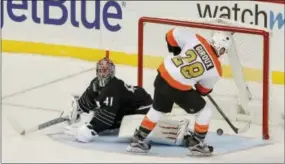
106	14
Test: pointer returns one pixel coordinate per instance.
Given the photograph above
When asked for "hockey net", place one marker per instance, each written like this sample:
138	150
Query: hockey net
243	92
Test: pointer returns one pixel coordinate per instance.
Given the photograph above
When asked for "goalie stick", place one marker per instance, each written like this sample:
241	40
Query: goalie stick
41	126
235	129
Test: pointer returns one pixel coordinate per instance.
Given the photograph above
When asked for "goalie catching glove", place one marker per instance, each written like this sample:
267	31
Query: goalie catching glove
74	114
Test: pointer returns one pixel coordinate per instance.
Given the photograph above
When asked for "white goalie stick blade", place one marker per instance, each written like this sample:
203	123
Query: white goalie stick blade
15	124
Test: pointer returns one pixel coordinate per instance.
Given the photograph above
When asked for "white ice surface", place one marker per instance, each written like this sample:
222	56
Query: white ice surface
20	72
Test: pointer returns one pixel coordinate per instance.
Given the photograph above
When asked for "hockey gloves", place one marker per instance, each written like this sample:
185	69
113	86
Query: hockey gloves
74	114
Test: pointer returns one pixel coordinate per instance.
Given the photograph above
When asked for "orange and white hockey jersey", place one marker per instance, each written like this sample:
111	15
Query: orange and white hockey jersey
196	64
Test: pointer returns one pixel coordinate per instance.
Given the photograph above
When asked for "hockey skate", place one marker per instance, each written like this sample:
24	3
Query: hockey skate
138	144
197	147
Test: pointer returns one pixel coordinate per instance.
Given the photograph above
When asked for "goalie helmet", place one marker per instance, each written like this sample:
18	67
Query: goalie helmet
105	71
221	42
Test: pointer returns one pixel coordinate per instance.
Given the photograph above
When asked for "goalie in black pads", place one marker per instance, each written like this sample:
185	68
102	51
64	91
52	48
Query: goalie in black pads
110	99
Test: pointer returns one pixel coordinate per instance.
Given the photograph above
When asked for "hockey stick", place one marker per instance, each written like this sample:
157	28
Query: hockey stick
235	129
41	126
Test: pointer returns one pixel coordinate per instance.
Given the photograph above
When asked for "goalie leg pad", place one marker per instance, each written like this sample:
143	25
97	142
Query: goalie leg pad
170	132
167	131
86	133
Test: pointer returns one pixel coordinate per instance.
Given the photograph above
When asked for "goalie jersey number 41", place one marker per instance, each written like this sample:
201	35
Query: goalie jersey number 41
112	102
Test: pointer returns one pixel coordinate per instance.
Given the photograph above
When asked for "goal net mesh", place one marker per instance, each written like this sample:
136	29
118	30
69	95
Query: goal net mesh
242	93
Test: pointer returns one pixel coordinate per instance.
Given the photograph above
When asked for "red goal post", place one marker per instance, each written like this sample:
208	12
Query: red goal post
254	31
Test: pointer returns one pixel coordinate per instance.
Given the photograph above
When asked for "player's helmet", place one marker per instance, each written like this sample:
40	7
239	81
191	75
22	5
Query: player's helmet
105	71
221	42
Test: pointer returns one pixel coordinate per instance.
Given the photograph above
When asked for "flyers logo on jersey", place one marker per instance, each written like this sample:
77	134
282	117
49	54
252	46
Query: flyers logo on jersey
204	56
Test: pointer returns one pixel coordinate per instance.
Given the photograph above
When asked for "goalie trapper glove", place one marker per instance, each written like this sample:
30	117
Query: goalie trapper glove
74	115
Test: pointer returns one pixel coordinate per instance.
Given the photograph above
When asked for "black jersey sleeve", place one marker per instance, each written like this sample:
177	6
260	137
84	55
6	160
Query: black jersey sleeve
87	101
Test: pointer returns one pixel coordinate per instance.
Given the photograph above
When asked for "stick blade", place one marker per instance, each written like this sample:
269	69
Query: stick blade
16	125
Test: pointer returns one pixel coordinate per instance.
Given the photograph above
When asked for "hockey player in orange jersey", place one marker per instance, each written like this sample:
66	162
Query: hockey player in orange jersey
184	78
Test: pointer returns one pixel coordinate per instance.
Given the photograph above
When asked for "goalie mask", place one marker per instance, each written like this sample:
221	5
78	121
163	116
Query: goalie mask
221	42
105	71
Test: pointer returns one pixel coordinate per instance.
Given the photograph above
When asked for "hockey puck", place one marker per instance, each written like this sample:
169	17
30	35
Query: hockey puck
220	132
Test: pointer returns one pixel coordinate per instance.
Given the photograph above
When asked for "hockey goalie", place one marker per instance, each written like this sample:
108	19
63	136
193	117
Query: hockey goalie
111	102
108	99
184	78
